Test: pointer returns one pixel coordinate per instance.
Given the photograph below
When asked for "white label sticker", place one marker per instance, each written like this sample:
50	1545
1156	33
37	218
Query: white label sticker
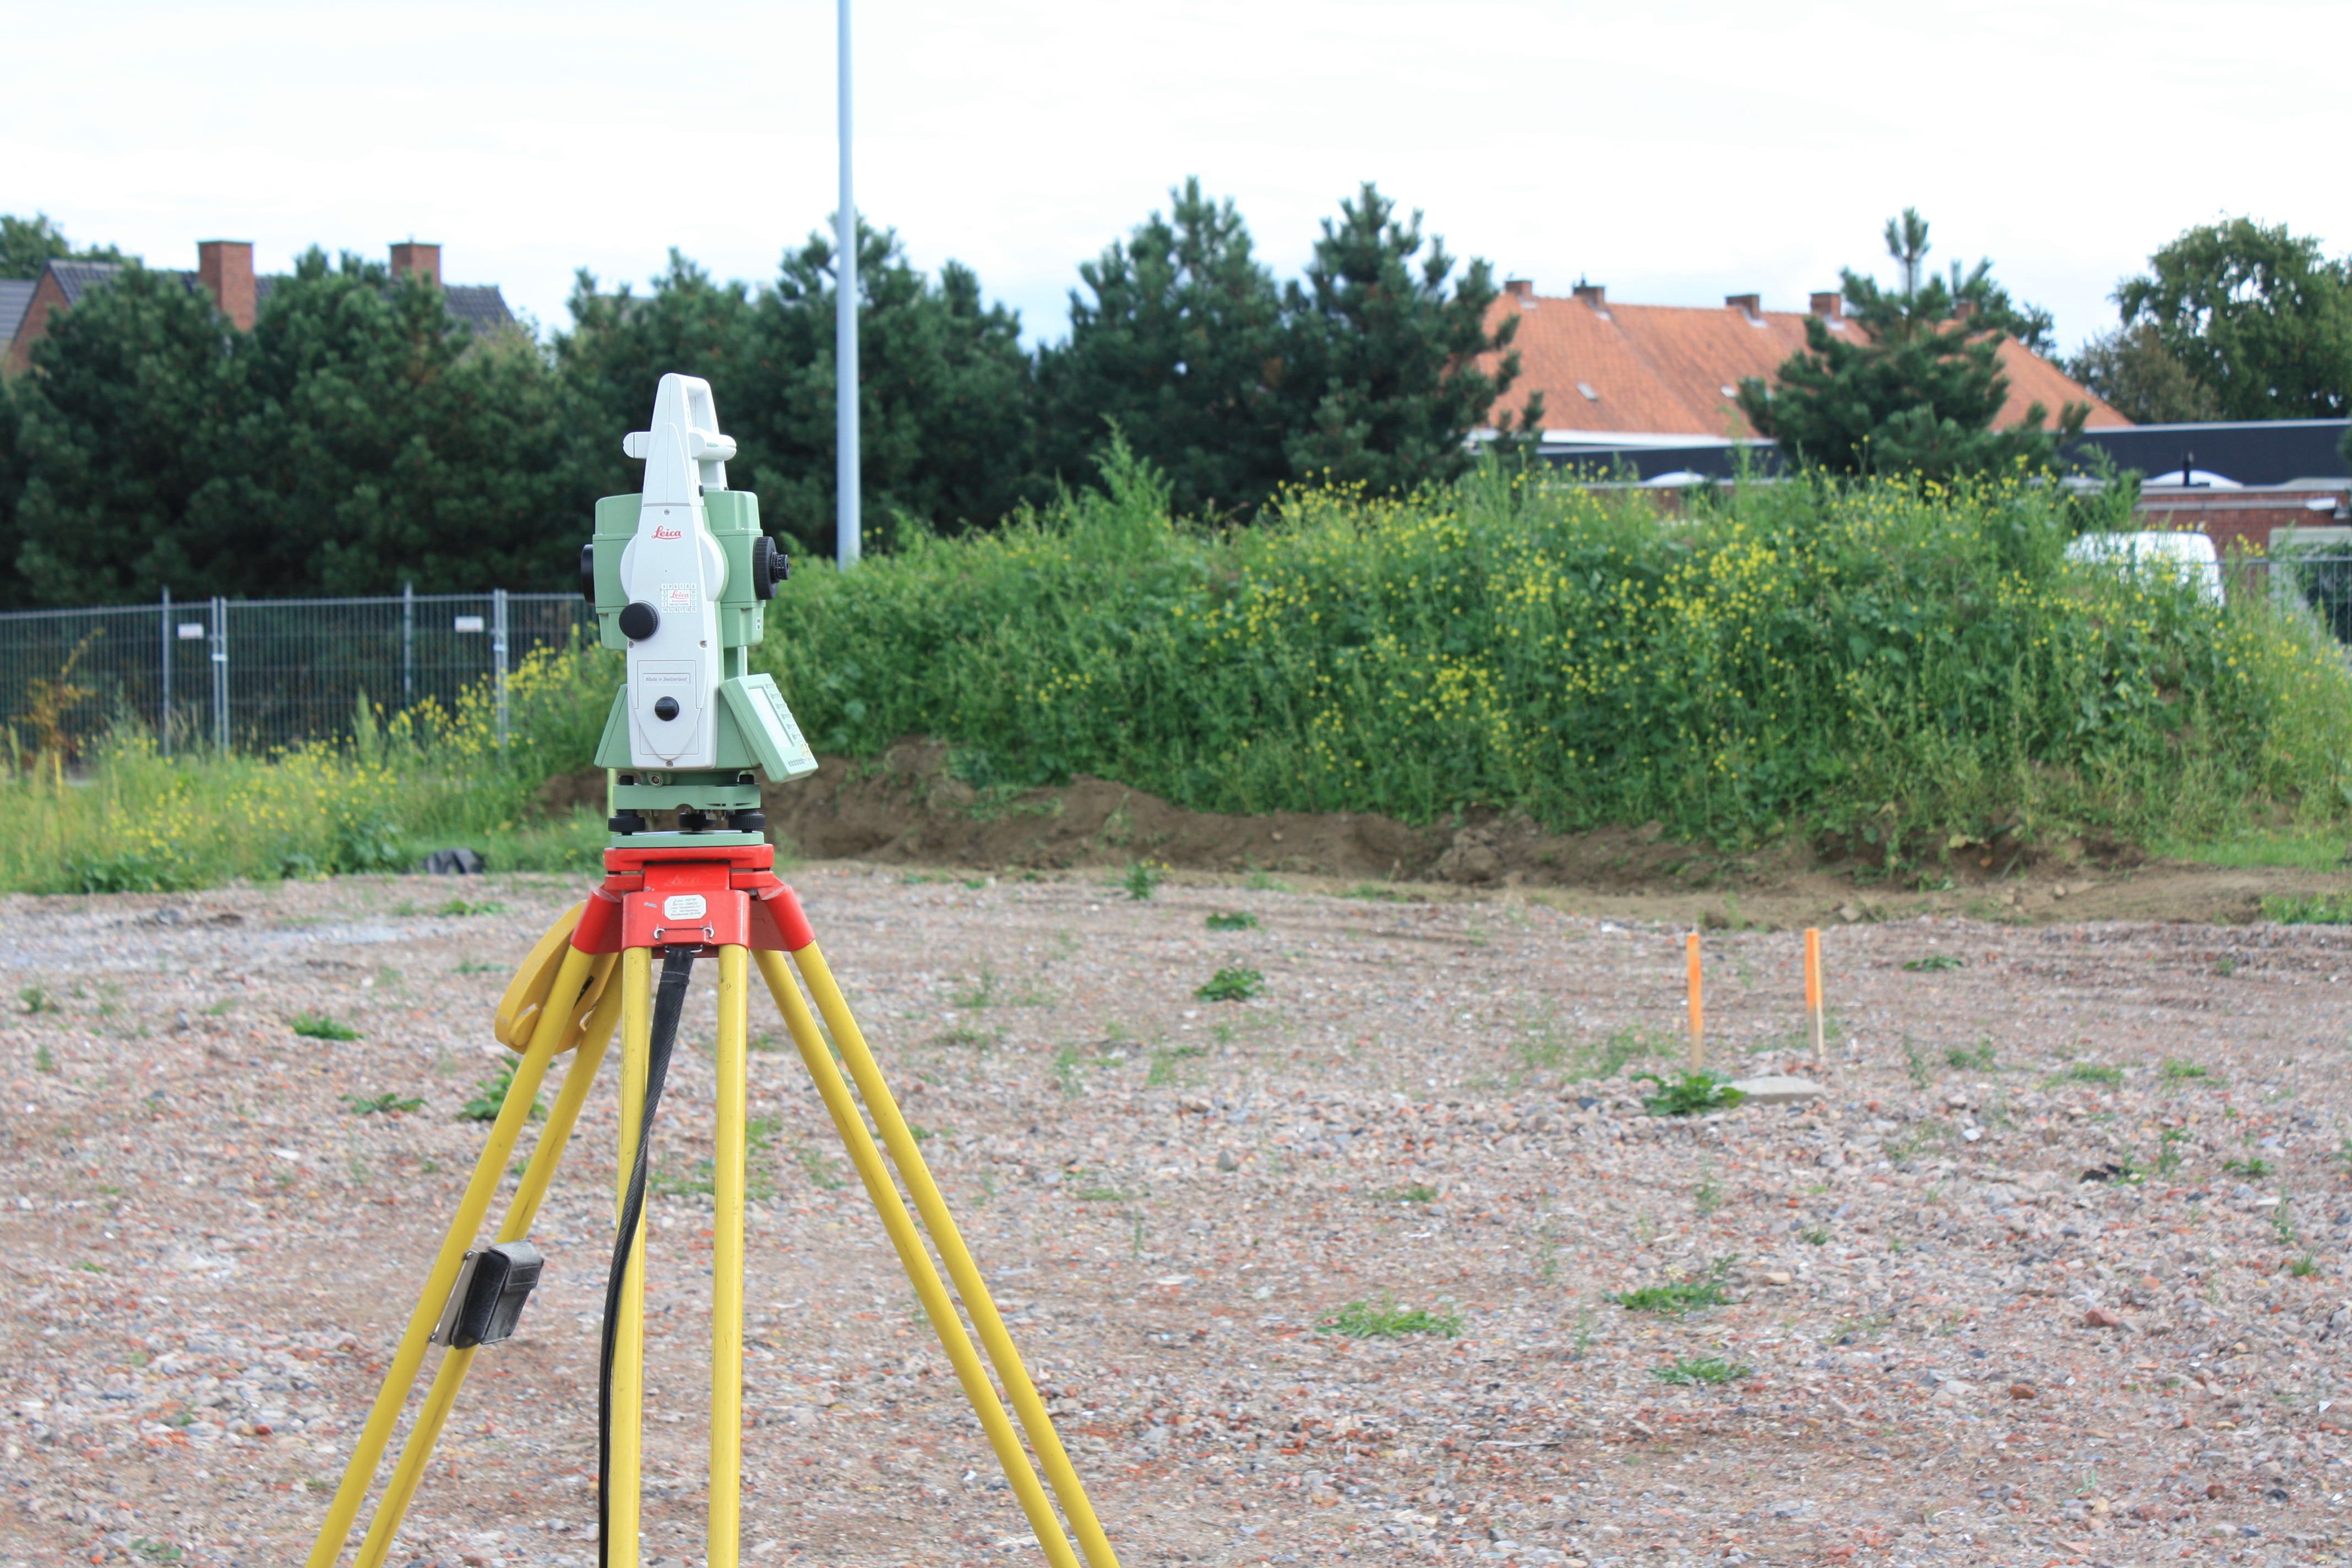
684	907
677	597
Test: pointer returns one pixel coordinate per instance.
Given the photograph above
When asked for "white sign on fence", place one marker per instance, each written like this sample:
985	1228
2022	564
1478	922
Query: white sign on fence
192	631
469	623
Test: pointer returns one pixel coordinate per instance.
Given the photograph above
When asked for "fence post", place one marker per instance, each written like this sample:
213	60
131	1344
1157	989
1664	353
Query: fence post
220	674
498	656
163	714
407	646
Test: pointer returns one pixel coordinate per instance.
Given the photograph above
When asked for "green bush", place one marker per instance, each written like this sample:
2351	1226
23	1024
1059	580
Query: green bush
1906	668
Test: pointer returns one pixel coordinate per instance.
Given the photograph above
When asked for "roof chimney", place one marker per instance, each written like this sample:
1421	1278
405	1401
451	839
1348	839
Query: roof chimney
1523	290
425	260
1829	307
1963	309
1748	305
224	269
1594	295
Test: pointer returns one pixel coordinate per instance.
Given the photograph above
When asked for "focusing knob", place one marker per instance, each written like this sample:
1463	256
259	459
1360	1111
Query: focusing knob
770	567
639	621
666	708
588	571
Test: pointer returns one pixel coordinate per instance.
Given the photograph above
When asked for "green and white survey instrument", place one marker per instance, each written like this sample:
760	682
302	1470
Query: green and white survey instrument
680	575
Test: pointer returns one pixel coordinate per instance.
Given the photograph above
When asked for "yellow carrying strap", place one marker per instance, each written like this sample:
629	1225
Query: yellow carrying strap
574	970
937	1304
409	1473
623	1476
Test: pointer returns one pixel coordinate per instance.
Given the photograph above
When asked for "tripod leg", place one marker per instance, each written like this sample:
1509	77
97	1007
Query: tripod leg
909	1157
920	1273
727	1267
367	1452
621	1480
401	1489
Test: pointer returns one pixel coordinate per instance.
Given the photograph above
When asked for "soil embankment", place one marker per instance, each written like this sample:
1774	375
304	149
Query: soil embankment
907	808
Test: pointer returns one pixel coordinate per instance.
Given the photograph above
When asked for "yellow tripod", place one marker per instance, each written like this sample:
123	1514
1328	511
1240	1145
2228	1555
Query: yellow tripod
687	901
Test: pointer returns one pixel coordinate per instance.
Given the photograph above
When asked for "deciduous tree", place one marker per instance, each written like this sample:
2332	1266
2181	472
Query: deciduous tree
2254	313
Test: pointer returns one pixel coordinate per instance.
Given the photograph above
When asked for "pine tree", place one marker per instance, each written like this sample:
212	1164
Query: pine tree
944	395
121	422
1920	396
1380	384
1176	342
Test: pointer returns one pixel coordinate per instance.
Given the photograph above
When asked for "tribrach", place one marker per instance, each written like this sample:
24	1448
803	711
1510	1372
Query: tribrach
679	575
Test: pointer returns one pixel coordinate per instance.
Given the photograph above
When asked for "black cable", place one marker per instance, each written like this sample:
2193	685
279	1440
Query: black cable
669	1002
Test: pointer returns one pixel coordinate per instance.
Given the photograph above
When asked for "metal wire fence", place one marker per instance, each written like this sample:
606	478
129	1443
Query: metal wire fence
257	674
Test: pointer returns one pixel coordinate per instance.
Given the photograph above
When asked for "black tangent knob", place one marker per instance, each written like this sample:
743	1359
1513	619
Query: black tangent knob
639	621
770	567
666	708
588	571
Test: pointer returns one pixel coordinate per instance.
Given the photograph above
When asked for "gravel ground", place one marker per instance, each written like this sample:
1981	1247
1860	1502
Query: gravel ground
1944	1343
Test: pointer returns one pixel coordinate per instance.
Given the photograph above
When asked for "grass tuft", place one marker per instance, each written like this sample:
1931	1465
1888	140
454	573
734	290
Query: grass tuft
318	1027
1700	1369
1387	1321
389	1103
1692	1094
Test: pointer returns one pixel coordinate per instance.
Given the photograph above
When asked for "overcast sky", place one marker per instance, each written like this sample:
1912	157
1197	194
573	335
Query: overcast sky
1675	153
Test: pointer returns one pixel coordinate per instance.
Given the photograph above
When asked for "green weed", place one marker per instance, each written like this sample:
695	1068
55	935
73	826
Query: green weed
468	966
2176	1071
1413	1194
1978	1058
1935	962
42	1060
460	907
1378	894
490	1094
1814	1235
2305	1266
2317	909
1916	1063
2253	1167
2168	1150
1238	920
1700	1369
1068	1071
2087	1072
1142	879
1692	1094
1707	1196
1366	1320
318	1027
390	1103
1232	985
36	999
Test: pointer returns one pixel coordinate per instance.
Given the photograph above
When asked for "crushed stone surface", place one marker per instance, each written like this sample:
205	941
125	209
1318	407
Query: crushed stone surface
2054	1271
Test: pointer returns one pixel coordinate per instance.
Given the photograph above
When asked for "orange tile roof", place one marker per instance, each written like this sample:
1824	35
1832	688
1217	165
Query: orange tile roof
1663	370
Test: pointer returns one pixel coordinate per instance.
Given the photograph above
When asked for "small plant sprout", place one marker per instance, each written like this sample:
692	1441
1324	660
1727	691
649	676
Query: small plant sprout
2305	1266
1232	985
459	908
36	999
1413	1194
1936	962
1707	1196
1239	920
1142	879
318	1027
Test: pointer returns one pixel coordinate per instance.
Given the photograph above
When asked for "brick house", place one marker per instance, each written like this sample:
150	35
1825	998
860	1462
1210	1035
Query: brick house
223	272
1615	376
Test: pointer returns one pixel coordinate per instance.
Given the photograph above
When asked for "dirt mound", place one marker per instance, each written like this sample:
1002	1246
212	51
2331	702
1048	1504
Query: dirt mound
907	808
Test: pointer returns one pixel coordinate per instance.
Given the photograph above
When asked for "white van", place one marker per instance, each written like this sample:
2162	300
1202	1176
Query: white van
2189	556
